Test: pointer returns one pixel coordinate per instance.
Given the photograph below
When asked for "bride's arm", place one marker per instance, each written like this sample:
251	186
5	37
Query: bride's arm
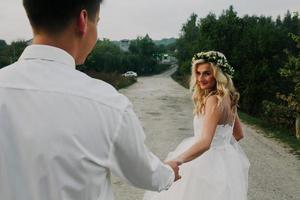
211	119
237	129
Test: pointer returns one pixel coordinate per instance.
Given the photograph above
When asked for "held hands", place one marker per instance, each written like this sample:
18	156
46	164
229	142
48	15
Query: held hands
175	166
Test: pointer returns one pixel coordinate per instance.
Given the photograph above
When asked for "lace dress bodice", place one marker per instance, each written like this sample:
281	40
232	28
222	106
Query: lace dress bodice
223	134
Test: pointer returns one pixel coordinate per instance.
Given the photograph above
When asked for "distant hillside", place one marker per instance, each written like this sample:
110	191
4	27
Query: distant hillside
165	41
116	42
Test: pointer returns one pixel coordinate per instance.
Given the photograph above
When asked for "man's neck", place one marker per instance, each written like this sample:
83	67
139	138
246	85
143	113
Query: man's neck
61	41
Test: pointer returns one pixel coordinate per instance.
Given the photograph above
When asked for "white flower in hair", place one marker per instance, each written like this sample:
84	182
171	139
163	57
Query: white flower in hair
217	58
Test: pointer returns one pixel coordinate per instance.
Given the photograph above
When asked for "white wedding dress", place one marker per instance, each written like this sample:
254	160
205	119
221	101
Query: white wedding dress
221	173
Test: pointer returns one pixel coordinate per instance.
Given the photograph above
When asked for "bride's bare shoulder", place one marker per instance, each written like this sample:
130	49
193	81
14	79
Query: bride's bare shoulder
211	99
213	103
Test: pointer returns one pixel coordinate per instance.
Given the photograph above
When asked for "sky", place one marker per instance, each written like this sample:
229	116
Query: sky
127	19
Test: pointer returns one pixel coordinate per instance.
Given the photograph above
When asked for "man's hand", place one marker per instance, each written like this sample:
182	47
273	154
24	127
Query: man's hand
174	165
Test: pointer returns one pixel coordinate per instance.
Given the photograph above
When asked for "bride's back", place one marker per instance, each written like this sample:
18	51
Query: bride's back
227	112
225	125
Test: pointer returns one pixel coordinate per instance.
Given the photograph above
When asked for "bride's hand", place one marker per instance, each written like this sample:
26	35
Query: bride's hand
179	160
174	165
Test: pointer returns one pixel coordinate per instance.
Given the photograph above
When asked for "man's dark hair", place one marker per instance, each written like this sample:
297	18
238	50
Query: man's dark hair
54	16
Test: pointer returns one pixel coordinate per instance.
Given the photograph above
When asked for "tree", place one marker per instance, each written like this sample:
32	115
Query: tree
291	70
105	57
2	44
254	47
187	44
143	51
11	53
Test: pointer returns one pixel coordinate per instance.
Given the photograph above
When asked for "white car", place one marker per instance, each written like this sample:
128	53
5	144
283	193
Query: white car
130	74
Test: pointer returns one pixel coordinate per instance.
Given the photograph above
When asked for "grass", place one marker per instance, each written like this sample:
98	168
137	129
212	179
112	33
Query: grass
182	80
160	68
115	79
273	131
119	81
268	129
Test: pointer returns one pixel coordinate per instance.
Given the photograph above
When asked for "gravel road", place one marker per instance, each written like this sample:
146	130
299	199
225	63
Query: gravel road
165	110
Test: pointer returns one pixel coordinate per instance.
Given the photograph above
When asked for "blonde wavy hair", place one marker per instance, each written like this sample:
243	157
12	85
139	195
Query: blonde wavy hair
224	87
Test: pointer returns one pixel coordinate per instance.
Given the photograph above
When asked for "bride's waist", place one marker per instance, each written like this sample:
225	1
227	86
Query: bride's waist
220	144
221	147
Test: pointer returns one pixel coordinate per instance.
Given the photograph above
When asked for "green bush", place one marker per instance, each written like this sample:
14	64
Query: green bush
278	114
182	79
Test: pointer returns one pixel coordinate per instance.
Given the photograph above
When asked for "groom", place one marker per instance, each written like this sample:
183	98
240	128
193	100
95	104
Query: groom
62	132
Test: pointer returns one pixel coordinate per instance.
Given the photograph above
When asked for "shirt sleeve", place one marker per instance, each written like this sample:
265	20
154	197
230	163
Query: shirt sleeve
131	160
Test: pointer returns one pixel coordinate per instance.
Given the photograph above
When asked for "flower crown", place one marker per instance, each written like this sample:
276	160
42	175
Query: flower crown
217	58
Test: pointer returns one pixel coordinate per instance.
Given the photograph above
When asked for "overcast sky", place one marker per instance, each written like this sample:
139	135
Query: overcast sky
128	19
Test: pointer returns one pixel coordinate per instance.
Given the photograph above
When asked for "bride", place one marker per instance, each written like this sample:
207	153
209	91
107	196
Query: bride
214	167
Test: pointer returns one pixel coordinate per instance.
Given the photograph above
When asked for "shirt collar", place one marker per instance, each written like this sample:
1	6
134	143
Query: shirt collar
48	53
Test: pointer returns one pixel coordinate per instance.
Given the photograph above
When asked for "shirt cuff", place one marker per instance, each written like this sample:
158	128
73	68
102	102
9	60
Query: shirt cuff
171	178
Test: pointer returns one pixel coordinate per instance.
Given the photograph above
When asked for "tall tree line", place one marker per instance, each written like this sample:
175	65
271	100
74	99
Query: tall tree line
106	57
258	48
141	57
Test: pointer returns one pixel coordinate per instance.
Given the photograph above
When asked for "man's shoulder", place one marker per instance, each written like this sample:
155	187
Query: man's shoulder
83	86
105	94
62	80
8	68
8	72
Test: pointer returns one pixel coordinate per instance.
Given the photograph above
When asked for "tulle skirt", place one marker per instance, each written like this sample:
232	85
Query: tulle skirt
221	173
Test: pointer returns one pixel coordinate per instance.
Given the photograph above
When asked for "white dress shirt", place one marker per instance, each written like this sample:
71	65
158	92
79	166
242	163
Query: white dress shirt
62	133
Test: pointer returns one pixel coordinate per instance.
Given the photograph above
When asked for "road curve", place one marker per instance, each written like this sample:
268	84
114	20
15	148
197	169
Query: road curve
165	110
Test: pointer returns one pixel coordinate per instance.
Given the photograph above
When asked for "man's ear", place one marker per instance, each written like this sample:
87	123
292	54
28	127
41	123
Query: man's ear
82	22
